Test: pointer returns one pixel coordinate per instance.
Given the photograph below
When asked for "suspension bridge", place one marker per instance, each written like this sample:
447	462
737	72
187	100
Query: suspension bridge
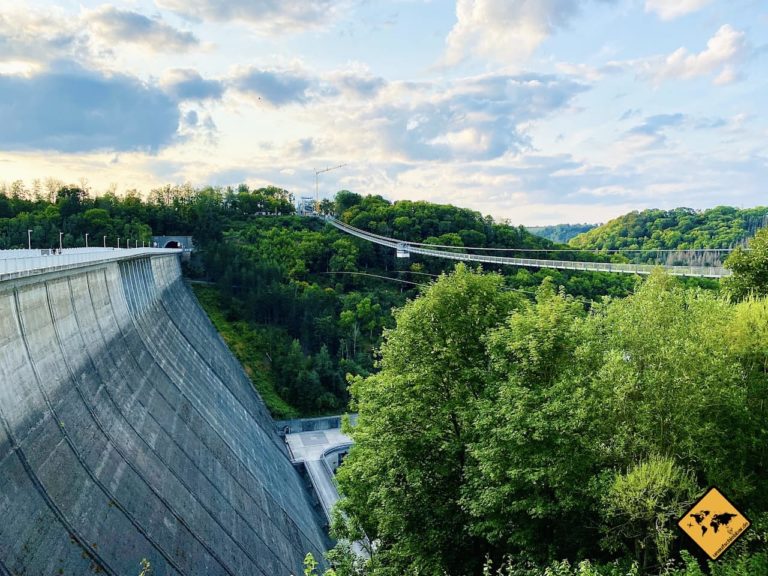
404	249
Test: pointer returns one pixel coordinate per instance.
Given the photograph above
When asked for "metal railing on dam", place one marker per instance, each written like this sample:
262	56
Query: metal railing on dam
14	263
128	430
404	247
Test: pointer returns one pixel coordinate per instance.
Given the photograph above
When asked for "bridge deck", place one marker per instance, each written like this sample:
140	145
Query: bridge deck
698	271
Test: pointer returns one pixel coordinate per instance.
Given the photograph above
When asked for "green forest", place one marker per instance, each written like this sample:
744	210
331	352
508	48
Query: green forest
681	228
511	421
560	233
540	438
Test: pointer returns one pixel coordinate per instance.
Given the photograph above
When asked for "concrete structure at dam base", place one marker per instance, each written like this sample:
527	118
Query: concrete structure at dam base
128	431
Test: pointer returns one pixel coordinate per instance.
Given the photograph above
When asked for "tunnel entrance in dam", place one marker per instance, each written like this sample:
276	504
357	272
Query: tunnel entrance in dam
185	243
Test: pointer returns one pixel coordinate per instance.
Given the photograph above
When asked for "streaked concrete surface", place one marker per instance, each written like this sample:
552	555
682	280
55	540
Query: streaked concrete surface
128	431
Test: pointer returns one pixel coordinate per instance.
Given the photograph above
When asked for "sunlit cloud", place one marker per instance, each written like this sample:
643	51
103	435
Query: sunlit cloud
35	36
115	26
506	30
266	16
671	9
722	59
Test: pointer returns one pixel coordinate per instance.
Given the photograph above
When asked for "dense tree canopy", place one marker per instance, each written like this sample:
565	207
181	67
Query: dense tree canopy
179	210
560	233
534	430
432	223
681	228
749	268
407	470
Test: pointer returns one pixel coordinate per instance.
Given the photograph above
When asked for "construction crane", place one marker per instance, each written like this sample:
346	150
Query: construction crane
317	186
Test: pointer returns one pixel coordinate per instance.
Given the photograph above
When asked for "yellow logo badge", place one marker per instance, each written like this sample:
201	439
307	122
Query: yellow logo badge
713	523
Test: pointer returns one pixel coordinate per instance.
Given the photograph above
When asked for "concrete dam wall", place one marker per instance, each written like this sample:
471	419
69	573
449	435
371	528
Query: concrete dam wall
128	431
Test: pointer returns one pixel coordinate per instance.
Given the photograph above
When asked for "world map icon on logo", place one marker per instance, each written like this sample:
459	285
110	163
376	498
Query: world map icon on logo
714	523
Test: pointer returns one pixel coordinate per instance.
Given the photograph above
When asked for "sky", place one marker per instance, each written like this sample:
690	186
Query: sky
537	111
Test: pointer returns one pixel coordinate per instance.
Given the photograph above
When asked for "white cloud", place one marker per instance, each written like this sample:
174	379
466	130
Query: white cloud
469	118
476	118
723	57
114	26
38	36
29	36
671	9
266	16
19	68
582	71
506	30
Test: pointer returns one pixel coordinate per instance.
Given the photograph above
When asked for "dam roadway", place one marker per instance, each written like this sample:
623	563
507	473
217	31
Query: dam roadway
128	431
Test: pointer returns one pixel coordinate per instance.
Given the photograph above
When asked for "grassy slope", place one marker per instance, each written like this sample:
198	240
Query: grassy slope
249	346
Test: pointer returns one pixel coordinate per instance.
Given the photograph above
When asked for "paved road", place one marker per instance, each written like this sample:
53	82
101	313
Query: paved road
310	448
324	485
311	445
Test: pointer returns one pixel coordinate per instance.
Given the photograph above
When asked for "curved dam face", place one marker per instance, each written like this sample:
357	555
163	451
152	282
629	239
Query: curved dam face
128	431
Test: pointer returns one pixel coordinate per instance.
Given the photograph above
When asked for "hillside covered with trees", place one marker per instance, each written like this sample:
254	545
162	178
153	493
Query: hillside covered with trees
681	228
431	223
560	233
534	438
301	304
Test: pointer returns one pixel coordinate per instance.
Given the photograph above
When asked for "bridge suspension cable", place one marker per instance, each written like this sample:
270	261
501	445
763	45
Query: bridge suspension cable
569	250
379	276
405	248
